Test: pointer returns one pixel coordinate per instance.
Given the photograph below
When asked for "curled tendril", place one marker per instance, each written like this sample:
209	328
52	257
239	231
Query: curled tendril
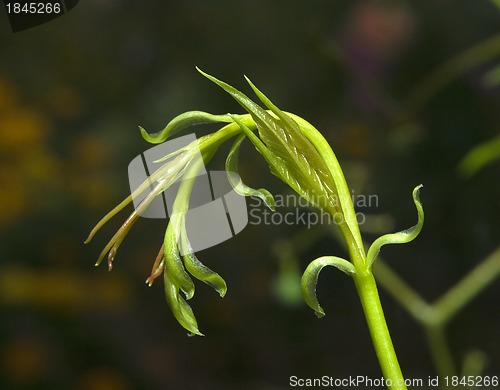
235	180
310	277
401	237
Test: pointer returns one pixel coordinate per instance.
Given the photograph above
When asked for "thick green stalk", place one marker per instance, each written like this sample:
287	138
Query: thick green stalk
381	338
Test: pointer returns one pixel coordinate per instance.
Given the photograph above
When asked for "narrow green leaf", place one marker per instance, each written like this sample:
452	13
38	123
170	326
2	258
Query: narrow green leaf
310	279
173	262
176	226
402	237
179	307
180	122
198	269
235	180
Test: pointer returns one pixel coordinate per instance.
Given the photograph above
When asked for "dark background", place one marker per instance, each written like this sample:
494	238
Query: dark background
72	93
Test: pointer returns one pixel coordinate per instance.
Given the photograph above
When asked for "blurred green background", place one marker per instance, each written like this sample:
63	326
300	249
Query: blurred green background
72	93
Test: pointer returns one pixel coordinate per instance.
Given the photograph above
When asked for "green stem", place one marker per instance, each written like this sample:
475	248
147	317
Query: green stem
469	287
440	351
427	315
374	314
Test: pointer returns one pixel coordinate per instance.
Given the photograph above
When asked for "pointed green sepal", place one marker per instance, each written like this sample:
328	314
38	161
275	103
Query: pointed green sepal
201	272
205	274
402	237
180	122
173	263
180	308
235	180
310	279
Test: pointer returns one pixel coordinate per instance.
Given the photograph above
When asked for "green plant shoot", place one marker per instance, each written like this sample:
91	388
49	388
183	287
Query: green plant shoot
297	154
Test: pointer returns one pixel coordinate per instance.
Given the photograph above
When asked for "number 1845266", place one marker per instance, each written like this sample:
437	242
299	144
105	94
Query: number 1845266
34	8
472	381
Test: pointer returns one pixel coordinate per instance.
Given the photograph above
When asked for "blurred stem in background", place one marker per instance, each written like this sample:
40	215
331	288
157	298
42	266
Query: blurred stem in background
435	317
479	157
446	73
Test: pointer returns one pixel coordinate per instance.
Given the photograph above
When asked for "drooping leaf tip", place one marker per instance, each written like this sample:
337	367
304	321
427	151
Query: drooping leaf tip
144	134
401	237
416	191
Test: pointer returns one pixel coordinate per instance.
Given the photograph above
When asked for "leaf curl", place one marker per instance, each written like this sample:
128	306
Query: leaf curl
235	180
309	279
182	121
401	237
200	271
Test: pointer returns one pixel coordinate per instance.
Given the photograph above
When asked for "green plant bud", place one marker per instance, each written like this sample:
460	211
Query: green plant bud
310	279
290	154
